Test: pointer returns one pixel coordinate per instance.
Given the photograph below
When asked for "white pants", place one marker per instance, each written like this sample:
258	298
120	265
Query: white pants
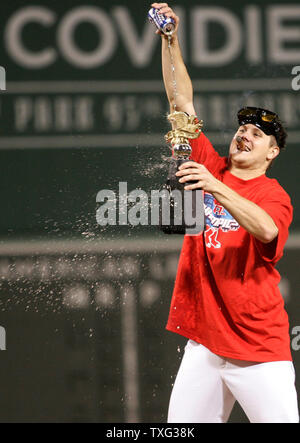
207	386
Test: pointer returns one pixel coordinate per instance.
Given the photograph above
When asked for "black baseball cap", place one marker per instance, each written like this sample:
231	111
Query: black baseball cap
265	120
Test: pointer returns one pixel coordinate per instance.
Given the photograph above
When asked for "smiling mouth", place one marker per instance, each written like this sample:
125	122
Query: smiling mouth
243	148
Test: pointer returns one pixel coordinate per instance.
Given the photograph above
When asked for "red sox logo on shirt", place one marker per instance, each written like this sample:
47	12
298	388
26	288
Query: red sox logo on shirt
216	218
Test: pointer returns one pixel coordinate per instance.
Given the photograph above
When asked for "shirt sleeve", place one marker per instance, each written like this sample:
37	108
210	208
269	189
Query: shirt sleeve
278	206
203	152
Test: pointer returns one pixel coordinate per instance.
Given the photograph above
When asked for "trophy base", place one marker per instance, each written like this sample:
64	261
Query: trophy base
173	180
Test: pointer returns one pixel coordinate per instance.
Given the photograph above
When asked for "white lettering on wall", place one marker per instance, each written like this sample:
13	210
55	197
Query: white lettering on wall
280	33
243	36
201	54
107	42
13	37
254	42
140	48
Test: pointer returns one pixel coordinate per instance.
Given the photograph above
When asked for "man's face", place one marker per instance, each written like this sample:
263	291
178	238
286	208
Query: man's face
257	150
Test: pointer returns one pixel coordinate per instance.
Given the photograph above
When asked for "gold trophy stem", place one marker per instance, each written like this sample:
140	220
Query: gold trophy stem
185	127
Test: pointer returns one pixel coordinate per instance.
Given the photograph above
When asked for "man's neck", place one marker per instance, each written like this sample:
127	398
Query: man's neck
245	173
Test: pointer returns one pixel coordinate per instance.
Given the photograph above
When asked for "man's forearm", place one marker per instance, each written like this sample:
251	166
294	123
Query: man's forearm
184	88
249	215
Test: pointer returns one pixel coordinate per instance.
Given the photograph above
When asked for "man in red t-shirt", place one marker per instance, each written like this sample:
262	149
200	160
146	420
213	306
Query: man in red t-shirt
226	299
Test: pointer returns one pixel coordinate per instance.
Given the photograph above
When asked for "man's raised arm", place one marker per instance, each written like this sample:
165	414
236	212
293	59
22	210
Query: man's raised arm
184	88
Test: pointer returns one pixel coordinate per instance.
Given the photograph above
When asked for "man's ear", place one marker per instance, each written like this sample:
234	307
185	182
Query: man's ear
274	150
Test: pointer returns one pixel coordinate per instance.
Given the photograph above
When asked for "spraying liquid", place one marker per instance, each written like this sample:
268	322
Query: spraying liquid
166	25
174	83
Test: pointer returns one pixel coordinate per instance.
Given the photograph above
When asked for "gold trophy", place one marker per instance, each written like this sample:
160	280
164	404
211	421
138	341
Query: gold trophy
185	127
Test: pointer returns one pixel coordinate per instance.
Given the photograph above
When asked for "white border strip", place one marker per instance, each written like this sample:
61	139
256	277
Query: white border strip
91	141
81	141
131	86
130	354
109	141
39	247
144	244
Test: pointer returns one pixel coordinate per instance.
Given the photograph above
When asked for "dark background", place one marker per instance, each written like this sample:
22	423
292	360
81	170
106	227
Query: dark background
70	129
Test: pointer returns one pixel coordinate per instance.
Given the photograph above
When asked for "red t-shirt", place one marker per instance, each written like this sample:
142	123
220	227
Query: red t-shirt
226	294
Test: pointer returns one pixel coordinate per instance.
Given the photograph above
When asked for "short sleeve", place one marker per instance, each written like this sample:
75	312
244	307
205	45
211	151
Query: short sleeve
203	152
278	205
